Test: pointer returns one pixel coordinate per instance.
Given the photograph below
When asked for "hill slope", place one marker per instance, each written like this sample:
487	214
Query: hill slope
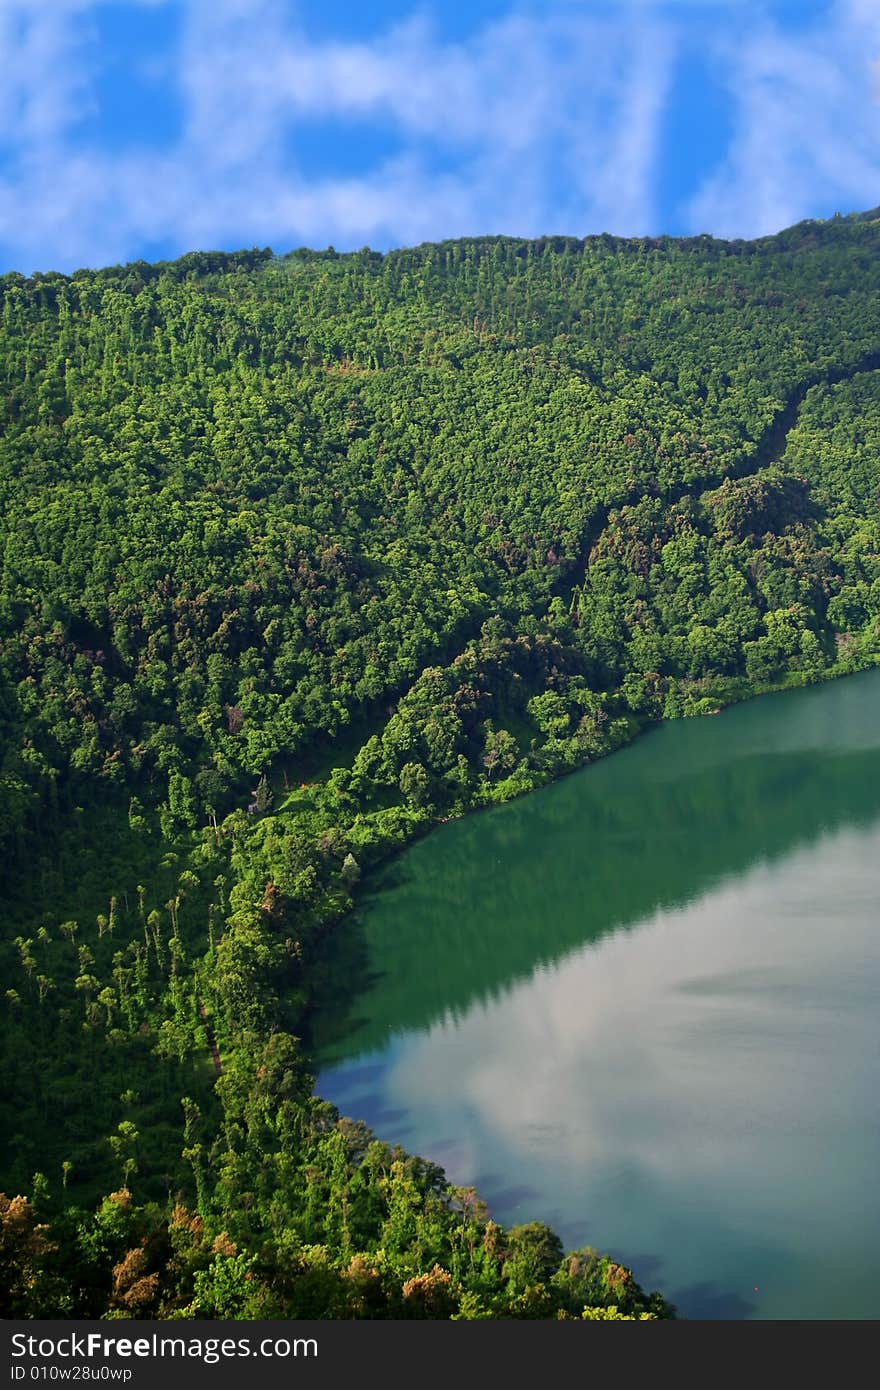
300	555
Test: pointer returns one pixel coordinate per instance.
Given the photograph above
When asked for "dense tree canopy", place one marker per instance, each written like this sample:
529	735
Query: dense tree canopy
301	555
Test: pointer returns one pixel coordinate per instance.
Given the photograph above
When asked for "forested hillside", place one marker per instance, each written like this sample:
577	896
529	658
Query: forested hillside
301	555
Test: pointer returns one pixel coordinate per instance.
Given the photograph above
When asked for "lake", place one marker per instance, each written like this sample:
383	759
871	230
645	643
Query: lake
642	1005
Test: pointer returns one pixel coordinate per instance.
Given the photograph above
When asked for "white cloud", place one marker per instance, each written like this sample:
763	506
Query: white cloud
518	96
44	78
807	123
482	129
548	120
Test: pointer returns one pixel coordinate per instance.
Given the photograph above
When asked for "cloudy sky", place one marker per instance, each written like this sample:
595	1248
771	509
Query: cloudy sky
152	127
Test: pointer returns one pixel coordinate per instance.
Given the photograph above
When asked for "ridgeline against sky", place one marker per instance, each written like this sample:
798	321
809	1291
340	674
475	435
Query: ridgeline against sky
145	130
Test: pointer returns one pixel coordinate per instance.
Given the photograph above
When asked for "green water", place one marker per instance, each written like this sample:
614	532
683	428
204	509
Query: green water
643	1005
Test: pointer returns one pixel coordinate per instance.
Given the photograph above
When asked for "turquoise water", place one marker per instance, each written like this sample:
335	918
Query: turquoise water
642	1005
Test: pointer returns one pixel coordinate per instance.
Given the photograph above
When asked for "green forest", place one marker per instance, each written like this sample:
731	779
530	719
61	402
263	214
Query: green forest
303	555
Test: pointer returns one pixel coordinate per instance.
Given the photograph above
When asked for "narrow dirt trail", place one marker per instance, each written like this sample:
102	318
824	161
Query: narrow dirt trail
212	1041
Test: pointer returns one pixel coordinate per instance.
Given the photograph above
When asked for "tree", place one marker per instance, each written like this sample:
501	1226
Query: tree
23	1248
500	750
263	795
414	783
350	872
124	1144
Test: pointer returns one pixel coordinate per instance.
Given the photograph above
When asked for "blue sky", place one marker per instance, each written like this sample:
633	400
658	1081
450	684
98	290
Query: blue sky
153	127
